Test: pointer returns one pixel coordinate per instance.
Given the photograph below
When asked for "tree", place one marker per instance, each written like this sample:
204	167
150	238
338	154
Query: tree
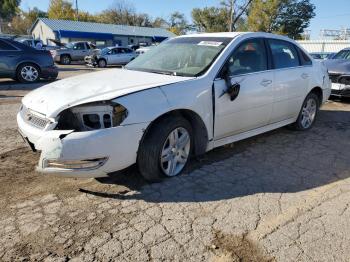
288	17
121	12
178	23
295	18
210	19
263	14
235	9
61	9
229	16
160	22
8	8
21	23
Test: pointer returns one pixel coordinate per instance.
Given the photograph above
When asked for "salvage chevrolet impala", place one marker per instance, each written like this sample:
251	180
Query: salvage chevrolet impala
185	97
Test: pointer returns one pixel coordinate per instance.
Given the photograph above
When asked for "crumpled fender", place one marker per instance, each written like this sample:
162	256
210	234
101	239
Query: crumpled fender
51	143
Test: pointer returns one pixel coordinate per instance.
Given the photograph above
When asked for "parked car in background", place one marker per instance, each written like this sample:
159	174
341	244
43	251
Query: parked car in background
143	50
184	97
111	56
24	63
339	73
322	55
36	43
75	51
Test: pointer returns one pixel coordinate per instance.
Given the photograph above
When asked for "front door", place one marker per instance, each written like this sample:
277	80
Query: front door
251	108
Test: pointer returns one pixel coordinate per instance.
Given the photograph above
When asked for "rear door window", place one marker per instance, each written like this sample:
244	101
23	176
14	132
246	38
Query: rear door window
284	54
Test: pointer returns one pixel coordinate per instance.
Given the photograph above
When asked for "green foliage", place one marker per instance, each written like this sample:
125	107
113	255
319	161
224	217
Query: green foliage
21	23
8	8
295	17
61	9
229	16
288	17
178	23
210	19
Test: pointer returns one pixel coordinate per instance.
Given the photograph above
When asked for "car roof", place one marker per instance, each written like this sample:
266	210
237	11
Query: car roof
236	34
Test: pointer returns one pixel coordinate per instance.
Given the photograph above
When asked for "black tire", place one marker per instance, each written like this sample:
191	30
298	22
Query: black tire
20	76
102	63
298	125
148	158
65	60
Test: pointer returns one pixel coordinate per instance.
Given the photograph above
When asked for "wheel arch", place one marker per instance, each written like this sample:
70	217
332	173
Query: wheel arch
67	54
200	132
102	58
318	91
28	62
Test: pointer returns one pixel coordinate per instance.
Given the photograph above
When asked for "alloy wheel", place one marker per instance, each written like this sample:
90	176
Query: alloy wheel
29	73
175	151
308	113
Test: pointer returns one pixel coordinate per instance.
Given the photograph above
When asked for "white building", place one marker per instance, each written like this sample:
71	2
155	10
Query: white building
100	34
332	46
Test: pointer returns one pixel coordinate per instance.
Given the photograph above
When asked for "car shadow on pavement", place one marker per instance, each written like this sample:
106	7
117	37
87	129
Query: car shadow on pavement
281	161
11	85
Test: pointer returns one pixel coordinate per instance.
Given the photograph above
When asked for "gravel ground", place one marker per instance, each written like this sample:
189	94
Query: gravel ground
281	196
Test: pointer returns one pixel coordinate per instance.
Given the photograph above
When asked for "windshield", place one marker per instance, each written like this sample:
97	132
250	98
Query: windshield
344	54
185	56
70	45
105	50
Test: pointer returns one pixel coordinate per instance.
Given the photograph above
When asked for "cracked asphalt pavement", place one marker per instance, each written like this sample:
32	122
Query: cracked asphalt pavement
280	196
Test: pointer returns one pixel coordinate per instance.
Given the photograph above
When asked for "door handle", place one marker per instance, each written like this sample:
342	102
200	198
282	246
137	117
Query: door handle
266	82
12	56
304	75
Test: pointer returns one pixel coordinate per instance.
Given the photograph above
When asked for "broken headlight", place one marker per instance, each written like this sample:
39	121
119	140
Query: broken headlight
92	116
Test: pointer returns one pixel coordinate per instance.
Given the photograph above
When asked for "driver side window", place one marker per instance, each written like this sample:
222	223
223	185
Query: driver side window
249	57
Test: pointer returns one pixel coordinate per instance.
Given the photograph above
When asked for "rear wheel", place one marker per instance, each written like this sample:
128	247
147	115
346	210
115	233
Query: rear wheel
166	149
65	60
102	63
308	113
28	73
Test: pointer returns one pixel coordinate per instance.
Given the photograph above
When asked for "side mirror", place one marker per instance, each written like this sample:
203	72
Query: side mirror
232	88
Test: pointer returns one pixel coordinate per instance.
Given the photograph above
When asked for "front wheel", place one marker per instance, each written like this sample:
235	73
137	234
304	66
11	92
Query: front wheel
166	149
65	60
308	113
102	63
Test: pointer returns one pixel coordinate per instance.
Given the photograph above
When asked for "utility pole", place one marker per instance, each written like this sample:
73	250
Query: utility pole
232	13
77	9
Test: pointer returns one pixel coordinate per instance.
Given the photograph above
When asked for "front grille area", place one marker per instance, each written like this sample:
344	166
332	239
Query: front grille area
334	78
344	79
33	119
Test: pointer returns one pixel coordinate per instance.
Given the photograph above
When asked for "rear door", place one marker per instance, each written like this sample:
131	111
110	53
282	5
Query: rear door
9	55
291	80
247	67
80	51
129	54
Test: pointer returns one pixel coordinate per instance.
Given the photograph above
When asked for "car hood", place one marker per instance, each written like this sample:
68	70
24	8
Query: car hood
338	66
53	98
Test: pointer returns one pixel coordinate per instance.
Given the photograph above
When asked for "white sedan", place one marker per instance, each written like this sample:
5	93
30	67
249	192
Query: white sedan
183	98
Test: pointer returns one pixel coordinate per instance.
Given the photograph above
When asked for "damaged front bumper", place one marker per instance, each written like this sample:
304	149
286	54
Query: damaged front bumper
340	90
84	154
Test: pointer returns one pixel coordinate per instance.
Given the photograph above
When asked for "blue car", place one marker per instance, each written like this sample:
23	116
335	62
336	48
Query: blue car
24	63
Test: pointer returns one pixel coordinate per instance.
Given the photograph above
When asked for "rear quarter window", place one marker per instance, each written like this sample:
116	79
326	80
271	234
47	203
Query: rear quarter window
304	58
4	46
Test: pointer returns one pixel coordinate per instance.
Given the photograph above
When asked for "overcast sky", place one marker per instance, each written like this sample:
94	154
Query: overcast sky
330	14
